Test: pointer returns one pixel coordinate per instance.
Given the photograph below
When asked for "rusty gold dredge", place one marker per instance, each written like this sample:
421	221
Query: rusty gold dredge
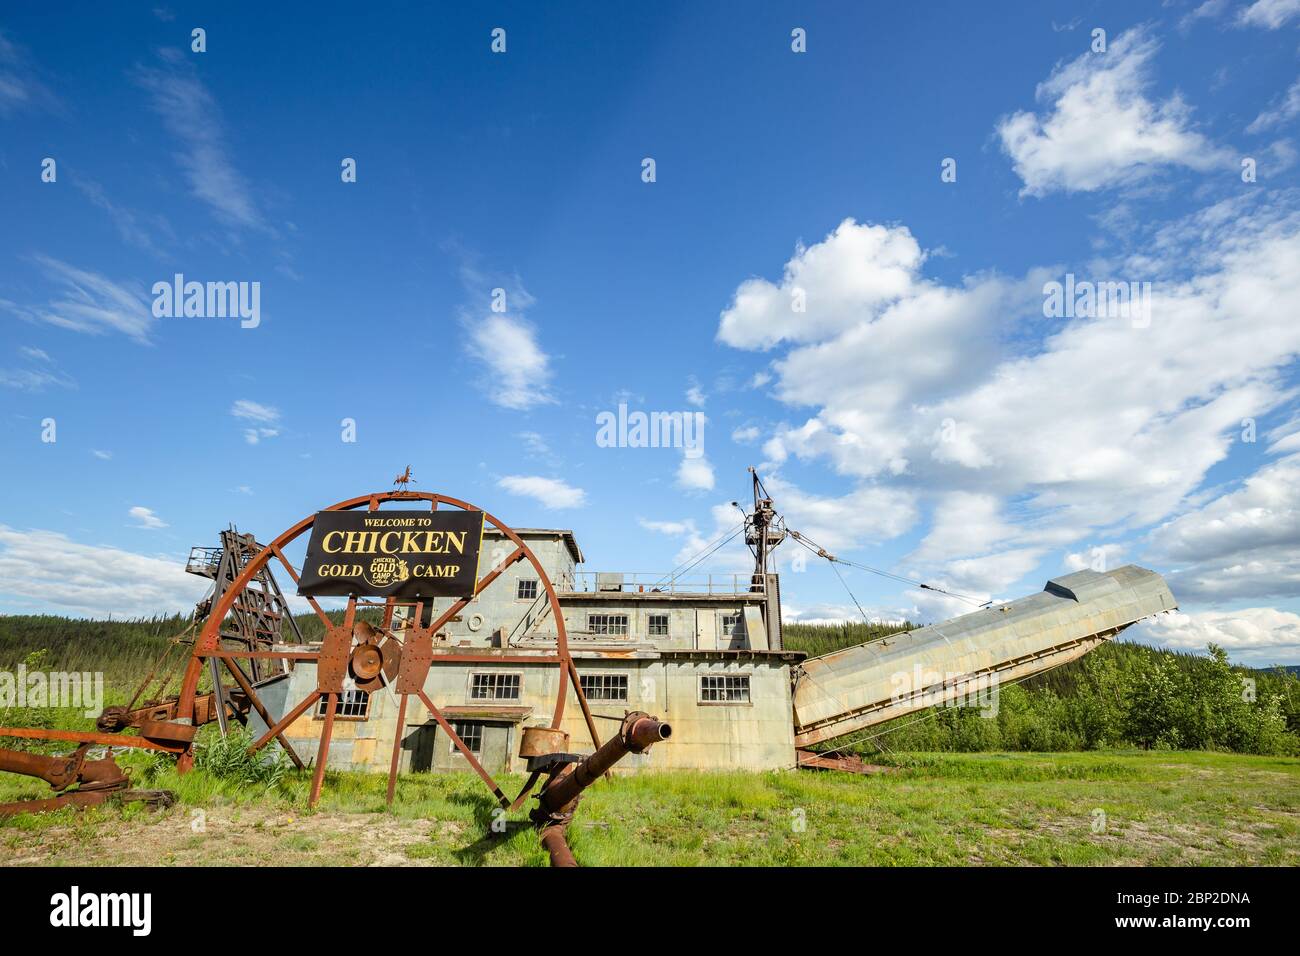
516	662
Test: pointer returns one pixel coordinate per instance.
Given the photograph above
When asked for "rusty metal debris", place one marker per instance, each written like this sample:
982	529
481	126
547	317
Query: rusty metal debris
847	763
96	781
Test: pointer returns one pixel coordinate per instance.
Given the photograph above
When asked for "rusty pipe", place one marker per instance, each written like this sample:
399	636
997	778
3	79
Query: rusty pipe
555	842
559	797
635	735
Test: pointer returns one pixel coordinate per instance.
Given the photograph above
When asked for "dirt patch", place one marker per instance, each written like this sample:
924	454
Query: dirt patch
243	836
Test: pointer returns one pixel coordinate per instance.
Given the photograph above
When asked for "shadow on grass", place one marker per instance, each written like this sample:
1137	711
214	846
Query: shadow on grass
485	810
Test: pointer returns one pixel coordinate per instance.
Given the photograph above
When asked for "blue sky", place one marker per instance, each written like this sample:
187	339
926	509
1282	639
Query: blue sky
920	414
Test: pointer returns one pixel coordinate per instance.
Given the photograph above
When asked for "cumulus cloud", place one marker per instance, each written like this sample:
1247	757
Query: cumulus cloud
867	515
1101	557
44	570
1244	544
1098	128
1031	435
858	269
145	518
668	527
1258	636
549	492
695	474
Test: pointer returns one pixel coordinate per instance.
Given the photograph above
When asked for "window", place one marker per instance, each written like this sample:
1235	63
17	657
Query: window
352	705
494	687
730	623
724	689
607	623
611	687
525	590
471	732
657	625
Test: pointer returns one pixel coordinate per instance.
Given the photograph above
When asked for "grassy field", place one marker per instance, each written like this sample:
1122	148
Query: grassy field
1122	808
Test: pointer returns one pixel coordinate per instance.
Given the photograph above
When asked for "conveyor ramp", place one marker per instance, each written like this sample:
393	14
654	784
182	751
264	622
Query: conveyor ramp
861	686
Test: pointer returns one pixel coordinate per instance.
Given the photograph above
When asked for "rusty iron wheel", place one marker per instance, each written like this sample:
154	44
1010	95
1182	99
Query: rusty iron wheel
375	656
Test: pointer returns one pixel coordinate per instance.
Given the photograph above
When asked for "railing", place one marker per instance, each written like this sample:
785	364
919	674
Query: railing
634	582
204	561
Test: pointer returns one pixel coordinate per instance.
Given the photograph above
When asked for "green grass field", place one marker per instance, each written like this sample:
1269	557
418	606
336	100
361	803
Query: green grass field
1079	809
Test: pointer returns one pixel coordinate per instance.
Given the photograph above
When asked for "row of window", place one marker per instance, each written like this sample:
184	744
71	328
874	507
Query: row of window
617	624
656	624
608	688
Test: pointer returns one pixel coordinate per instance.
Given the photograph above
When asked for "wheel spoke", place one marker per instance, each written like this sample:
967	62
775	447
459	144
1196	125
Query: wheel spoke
286	720
468	754
294	574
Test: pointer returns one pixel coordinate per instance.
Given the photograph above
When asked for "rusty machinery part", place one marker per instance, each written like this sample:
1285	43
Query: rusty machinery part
97	781
559	797
158	712
62	772
368	656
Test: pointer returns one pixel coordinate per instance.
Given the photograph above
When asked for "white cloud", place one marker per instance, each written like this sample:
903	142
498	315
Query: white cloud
695	474
1101	557
1207	10
1259	636
133	227
833	614
20	89
254	411
1244	544
254	436
1268	14
146	518
1099	129
266	416
675	528
520	369
1031	435
44	570
87	302
867	515
191	114
857	270
102	455
1284	108
550	492
34	379
746	435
